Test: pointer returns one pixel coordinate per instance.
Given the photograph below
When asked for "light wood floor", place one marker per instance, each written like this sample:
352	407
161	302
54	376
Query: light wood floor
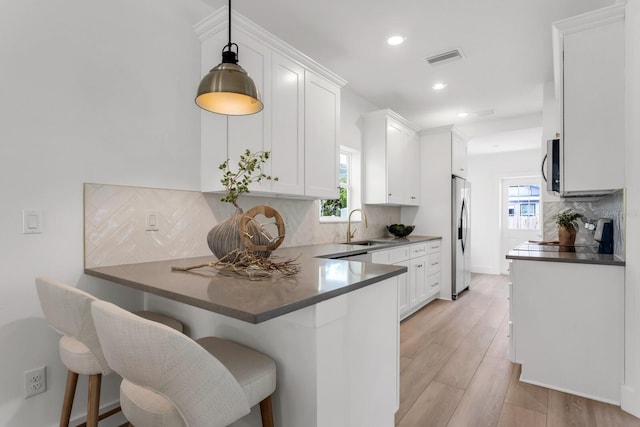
455	371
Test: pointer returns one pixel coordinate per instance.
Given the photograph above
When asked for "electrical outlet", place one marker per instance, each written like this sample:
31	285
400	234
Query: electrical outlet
152	219
35	381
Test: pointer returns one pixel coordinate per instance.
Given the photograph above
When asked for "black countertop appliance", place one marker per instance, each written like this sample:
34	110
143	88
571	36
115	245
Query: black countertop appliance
604	235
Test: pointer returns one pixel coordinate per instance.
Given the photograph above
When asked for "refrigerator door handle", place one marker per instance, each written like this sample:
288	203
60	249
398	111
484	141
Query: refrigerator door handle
462	227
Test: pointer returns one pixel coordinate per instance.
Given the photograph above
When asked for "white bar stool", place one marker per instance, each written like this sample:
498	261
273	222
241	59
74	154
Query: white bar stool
170	380
68	311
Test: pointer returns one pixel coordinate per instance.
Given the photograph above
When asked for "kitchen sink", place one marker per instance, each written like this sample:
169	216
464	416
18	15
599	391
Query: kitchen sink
370	242
362	243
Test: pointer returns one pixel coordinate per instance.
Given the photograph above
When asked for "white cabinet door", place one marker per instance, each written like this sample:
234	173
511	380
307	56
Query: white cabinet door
568	326
418	291
458	155
411	169
404	287
396	138
594	108
322	123
213	127
287	128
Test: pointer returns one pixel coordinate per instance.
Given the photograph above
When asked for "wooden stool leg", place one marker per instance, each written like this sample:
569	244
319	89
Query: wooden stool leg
67	403
266	411
93	405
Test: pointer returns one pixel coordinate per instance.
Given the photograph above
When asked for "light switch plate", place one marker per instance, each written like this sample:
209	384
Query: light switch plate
31	221
152	220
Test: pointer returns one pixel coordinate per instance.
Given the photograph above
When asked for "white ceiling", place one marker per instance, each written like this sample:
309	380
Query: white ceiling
507	48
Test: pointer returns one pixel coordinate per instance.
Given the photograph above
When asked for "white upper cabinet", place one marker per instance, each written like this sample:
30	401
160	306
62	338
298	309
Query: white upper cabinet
458	155
589	75
391	159
299	124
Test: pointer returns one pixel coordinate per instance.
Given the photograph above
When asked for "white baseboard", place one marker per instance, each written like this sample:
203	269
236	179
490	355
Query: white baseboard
569	391
630	400
483	269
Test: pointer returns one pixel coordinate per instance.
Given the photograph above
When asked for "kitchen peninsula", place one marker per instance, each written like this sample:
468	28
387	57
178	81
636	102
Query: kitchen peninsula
566	319
333	329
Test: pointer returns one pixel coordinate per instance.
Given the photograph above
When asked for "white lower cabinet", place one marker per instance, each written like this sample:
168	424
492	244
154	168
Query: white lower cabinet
421	284
432	287
403	288
567	326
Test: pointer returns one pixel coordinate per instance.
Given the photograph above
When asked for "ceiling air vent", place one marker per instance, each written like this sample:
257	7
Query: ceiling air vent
483	113
448	56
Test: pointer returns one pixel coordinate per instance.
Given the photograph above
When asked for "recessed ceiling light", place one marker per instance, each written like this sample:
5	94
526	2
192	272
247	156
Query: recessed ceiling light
463	114
439	86
396	39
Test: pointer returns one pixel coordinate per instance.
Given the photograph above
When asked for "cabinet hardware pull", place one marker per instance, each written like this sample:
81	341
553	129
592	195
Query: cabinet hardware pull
413	197
435	263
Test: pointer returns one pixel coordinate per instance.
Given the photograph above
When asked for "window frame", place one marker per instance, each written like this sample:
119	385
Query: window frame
352	187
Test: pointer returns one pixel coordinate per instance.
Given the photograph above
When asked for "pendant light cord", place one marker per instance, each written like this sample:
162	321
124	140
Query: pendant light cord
228	55
229	42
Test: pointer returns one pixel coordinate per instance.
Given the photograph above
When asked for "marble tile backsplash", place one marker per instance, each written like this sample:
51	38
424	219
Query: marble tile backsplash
115	221
610	206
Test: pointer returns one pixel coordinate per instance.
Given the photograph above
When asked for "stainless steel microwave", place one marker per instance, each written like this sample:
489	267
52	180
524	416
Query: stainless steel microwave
553	162
553	173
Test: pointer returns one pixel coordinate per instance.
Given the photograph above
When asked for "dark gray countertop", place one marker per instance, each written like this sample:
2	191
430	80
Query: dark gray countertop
558	253
319	279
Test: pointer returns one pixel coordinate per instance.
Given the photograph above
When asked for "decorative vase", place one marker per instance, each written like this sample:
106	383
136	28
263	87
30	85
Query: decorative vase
226	237
567	236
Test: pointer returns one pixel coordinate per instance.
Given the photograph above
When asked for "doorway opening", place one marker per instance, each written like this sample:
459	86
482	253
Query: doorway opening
520	214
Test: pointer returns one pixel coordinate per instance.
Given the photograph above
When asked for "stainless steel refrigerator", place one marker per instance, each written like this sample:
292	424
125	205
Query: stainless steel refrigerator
460	236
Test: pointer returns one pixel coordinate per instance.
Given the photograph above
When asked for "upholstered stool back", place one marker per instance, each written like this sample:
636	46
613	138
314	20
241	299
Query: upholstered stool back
68	311
167	371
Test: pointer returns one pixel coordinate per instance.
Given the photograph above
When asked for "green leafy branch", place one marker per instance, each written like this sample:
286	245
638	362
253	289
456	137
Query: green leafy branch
249	171
568	219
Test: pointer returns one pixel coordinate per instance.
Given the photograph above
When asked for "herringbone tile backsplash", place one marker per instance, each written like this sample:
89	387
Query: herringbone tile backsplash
115	220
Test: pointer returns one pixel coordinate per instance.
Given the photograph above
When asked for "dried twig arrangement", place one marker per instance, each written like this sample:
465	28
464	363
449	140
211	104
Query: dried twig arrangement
247	264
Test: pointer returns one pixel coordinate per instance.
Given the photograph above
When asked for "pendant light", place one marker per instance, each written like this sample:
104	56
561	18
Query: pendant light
228	89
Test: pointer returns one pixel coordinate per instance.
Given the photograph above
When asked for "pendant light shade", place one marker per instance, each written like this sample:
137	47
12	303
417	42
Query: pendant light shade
228	89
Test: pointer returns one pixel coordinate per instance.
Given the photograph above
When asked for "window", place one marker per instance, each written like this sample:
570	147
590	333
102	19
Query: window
524	207
527	209
337	210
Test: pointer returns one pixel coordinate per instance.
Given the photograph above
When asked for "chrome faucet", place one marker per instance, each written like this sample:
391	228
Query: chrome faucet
349	233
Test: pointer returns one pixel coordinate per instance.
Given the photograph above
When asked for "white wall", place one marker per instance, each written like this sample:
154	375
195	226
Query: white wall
631	390
90	92
351	110
485	173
